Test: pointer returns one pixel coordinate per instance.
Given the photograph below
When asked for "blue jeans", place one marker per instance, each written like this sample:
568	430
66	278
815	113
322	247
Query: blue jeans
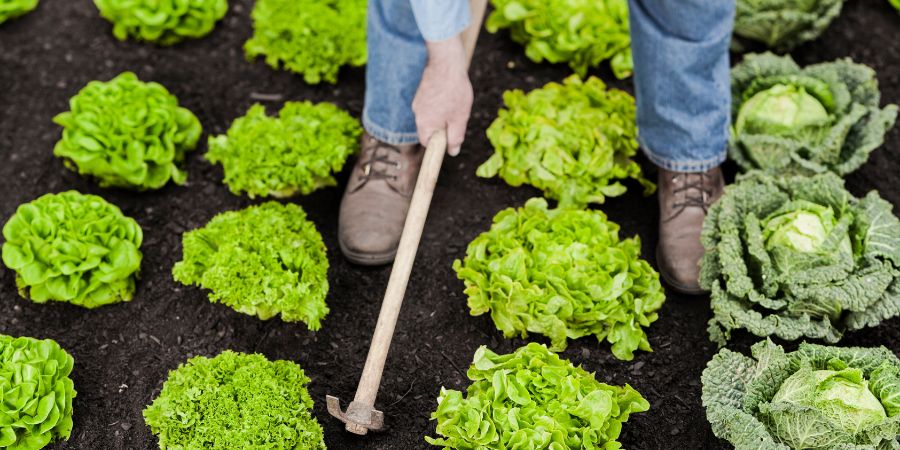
682	79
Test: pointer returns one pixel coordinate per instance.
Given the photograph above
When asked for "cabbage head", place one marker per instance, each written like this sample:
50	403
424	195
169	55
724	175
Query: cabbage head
36	392
799	256
818	397
74	248
783	24
10	9
533	399
127	133
787	119
165	22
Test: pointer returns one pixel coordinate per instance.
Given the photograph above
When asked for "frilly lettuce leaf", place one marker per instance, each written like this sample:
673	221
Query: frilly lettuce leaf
264	260
36	393
311	37
582	33
74	248
296	152
165	22
235	400
533	399
783	24
564	274
10	9
127	133
574	141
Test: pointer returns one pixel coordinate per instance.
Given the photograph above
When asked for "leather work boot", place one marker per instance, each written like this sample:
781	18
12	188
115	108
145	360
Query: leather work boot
377	198
684	199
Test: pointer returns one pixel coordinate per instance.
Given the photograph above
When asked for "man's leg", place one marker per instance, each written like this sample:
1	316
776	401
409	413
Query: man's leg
682	85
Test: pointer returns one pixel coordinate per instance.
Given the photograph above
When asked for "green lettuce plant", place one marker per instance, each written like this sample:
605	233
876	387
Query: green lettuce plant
532	399
313	38
10	9
562	273
296	152
235	400
825	117
127	133
74	248
895	3
817	397
264	260
799	256
165	22
783	24
573	141
582	33
36	393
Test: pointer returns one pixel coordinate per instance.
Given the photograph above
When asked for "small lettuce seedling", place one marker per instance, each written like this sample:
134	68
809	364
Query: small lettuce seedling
562	273
313	38
36	393
298	151
264	261
74	248
127	133
574	141
533	399
232	401
10	9
162	22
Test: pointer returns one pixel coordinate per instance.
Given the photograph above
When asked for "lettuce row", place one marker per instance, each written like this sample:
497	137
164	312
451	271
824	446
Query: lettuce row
582	33
799	256
783	24
894	3
264	260
825	117
74	248
235	400
163	22
127	133
313	38
532	399
818	397
10	9
564	274
296	152
36	393
574	141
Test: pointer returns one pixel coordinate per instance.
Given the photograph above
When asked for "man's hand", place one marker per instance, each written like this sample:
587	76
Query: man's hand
444	97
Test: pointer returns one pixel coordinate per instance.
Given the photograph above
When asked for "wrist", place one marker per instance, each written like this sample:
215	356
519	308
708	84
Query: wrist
448	53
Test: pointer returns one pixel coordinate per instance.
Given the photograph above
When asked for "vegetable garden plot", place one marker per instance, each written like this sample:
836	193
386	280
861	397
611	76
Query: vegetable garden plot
124	352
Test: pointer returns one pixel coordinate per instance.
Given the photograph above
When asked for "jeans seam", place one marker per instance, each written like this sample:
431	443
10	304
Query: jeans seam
691	165
388	136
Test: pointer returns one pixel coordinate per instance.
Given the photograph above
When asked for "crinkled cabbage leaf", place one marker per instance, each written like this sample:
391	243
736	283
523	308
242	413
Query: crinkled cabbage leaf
783	24
165	22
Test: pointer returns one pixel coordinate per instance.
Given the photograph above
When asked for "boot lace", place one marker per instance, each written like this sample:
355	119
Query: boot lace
697	192
379	165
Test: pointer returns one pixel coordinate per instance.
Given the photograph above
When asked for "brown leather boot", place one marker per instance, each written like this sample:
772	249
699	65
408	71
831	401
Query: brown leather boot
684	199
377	198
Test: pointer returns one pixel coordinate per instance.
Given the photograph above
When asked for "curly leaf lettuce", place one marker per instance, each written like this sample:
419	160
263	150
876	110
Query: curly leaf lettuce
264	260
818	397
296	152
564	274
74	248
783	24
127	133
582	33
313	38
533	399
36	393
574	141
163	22
10	9
799	256
825	117
235	400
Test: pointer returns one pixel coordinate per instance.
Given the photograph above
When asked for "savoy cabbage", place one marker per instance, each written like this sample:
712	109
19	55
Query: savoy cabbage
783	24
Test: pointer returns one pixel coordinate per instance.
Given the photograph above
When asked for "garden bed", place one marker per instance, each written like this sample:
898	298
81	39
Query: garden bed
123	352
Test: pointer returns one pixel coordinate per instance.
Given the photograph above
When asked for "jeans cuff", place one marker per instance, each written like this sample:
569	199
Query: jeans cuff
689	165
388	136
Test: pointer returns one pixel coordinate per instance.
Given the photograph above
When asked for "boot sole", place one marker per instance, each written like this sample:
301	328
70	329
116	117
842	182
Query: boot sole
676	286
367	259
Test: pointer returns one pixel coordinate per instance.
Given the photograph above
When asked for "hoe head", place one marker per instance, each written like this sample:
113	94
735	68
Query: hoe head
359	417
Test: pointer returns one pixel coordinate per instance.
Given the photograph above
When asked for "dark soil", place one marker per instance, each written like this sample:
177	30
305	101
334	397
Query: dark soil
123	352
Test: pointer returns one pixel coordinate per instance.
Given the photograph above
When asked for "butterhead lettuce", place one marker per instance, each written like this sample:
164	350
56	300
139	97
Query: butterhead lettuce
10	9
164	22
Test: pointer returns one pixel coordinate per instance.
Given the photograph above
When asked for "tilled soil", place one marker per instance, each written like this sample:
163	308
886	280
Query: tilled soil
123	352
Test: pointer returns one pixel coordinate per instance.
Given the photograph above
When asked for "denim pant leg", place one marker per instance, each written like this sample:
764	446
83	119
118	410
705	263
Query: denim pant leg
682	80
396	59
